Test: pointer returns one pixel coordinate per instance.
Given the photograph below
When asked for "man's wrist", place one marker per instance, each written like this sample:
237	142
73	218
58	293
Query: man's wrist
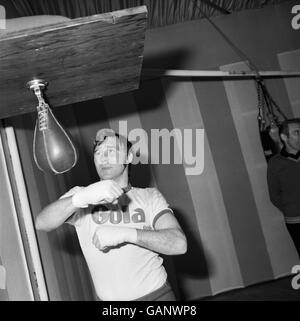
131	235
77	202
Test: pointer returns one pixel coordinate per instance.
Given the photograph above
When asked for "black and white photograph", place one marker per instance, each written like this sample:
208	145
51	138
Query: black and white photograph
149	151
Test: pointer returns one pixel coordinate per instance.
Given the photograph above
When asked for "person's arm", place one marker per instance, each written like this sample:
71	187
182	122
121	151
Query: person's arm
167	238
274	187
55	214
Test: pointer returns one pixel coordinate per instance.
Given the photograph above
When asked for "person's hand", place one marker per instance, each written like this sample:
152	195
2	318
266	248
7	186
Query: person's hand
106	191
108	236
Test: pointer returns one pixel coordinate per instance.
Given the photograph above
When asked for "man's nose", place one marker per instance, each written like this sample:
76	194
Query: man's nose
105	153
104	157
104	160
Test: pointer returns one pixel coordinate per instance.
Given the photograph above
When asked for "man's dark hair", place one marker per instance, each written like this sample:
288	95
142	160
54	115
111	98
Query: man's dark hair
122	139
284	126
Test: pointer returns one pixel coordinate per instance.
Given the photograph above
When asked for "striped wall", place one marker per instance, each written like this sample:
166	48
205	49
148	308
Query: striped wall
235	236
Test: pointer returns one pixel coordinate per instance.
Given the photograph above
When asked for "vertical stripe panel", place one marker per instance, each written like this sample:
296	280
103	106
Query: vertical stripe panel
291	61
242	99
206	193
234	182
192	267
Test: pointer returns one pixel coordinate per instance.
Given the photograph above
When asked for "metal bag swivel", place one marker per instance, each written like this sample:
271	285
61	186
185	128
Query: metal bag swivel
53	149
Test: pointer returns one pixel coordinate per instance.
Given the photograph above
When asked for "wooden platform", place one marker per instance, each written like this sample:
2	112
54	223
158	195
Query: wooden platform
82	59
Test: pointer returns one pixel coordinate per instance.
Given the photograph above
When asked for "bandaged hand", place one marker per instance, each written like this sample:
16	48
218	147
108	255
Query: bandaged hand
108	236
105	191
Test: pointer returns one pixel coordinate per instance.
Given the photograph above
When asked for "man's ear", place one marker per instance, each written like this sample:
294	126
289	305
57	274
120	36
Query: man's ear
283	137
129	157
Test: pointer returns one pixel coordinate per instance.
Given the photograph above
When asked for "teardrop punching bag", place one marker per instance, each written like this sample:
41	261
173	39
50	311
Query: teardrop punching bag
268	121
53	149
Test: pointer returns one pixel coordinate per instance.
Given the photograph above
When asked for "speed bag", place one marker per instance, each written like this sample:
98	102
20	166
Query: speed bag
53	149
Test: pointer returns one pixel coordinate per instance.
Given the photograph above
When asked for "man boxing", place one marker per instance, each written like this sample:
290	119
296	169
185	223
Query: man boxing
121	229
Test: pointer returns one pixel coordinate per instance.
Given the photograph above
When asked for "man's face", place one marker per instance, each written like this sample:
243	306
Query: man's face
110	158
293	141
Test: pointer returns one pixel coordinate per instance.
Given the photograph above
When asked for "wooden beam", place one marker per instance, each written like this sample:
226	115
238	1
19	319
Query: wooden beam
81	59
215	6
154	73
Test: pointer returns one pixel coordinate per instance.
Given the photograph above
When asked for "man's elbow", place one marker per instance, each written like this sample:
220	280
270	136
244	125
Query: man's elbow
40	226
181	245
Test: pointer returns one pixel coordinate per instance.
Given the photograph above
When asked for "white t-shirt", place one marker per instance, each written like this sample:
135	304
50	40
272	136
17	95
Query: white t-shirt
129	271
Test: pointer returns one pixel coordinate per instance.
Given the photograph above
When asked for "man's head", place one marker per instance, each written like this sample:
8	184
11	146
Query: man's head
112	154
289	132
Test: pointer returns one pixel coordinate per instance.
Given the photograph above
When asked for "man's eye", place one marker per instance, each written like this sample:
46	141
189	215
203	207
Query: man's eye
297	132
99	153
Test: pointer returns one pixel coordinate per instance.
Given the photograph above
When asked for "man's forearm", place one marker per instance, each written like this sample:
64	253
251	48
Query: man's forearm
166	241
55	214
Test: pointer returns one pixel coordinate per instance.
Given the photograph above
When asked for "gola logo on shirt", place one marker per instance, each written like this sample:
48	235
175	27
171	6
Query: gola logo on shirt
115	214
